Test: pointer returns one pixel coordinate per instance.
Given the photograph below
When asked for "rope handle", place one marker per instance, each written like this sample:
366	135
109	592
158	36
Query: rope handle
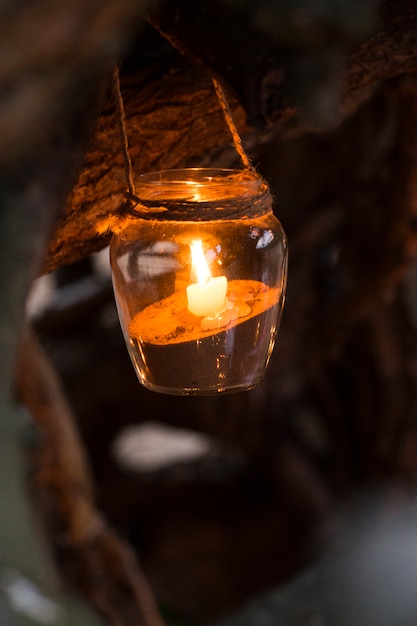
121	120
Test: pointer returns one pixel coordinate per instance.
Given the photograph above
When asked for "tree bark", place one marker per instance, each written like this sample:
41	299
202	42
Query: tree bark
43	140
174	119
99	562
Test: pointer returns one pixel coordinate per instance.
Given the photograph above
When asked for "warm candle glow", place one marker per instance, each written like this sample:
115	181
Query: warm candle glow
188	329
199	266
207	297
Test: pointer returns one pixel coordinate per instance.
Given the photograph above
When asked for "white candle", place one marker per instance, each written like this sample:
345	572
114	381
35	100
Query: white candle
207	297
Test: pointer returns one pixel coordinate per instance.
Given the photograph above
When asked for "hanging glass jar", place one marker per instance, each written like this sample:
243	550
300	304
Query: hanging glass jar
199	275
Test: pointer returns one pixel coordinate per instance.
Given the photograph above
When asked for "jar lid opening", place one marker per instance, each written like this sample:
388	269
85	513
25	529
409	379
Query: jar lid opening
198	184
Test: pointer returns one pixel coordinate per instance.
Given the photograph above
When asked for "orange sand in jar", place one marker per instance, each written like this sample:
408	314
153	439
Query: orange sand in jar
168	321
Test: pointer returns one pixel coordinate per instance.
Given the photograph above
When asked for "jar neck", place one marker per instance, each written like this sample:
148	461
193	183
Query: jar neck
199	194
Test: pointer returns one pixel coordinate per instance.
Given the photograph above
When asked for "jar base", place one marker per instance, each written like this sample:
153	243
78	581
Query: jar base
227	361
172	391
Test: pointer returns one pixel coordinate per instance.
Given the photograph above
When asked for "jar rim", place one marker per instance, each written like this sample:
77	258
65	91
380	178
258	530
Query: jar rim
184	184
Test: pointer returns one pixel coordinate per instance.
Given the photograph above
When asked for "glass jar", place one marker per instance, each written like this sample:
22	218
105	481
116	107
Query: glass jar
199	275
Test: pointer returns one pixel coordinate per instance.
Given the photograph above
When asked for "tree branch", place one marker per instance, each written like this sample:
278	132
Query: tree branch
93	556
174	119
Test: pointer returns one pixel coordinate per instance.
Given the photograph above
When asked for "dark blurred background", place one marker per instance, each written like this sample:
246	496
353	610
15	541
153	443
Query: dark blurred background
224	498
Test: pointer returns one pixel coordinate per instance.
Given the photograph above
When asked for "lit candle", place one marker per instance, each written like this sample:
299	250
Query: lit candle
206	297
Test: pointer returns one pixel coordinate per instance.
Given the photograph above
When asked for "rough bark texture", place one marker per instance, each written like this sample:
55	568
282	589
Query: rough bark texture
99	562
42	144
174	119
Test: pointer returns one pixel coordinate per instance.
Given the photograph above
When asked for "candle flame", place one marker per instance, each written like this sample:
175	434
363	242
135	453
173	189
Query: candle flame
199	265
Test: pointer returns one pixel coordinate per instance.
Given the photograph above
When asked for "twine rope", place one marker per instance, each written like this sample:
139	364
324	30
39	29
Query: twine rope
237	141
221	96
133	204
121	121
